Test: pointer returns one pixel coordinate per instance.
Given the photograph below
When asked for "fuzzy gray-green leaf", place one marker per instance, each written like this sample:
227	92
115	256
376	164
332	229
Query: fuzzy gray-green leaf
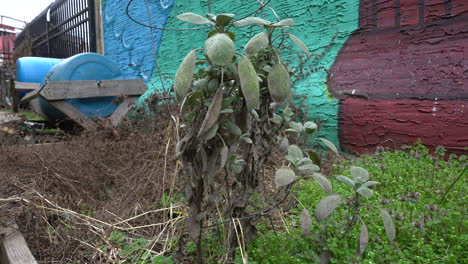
388	224
369	184
249	83
194	19
359	174
279	82
323	182
330	145
346	180
300	44
284	176
326	206
295	152
184	76
223	20
363	239
251	21
220	49
306	223
364	191
232	128
256	44
288	22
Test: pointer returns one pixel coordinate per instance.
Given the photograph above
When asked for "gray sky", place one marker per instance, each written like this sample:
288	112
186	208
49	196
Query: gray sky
23	9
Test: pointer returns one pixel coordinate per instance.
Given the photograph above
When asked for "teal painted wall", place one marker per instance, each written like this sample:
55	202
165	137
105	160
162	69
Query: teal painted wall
317	22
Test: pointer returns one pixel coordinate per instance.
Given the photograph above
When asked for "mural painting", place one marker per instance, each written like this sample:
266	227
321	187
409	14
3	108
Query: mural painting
385	72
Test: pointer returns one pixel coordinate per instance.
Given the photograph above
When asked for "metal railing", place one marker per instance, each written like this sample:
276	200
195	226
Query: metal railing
65	28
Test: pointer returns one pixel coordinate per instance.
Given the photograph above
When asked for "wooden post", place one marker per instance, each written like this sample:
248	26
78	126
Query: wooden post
74	114
122	110
14	96
13	247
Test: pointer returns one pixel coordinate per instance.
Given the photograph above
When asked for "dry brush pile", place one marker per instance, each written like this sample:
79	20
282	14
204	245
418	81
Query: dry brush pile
68	198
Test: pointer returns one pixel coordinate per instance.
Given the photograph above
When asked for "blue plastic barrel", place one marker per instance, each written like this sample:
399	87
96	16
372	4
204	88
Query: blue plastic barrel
83	67
33	69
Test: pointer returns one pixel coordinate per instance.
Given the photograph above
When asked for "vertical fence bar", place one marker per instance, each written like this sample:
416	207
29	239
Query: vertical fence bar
92	25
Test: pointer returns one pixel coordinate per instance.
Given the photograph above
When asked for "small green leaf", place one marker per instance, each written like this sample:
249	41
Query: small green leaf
194	19
236	168
277	119
290	130
211	133
220	49
310	127
279	82
306	223
369	184
364	191
232	128
224	156
227	111
388	224
323	182
296	126
283	147
249	83
247	140
346	180
223	20
309	167
359	174
288	22
304	161
326	206
300	44
288	112
256	44
330	145
295	152
314	157
284	176
184	76
363	239
251	21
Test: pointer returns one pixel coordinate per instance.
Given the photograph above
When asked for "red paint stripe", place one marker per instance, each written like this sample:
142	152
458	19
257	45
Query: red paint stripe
385	14
421	62
366	124
409	12
435	10
459	7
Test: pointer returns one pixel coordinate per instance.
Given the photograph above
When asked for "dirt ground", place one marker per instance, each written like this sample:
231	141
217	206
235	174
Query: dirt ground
66	197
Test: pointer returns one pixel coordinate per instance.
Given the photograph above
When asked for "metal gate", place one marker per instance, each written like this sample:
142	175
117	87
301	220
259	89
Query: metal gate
65	28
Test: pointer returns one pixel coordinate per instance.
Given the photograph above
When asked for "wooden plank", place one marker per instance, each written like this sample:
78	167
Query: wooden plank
13	248
26	86
30	96
87	89
74	114
122	110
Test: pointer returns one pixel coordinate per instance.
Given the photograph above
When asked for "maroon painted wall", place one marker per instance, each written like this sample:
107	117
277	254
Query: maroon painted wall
403	76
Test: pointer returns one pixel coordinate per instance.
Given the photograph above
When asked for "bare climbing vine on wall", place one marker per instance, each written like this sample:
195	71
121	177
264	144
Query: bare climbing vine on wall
232	108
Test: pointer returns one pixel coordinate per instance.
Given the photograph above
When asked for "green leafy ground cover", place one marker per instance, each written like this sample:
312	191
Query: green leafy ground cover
430	222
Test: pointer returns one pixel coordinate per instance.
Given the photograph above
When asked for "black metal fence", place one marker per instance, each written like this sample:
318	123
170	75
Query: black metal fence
65	28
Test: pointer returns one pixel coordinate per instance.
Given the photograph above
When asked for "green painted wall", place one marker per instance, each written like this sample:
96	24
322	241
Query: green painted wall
317	22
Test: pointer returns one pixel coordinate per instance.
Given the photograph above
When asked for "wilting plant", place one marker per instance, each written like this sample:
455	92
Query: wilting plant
228	102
